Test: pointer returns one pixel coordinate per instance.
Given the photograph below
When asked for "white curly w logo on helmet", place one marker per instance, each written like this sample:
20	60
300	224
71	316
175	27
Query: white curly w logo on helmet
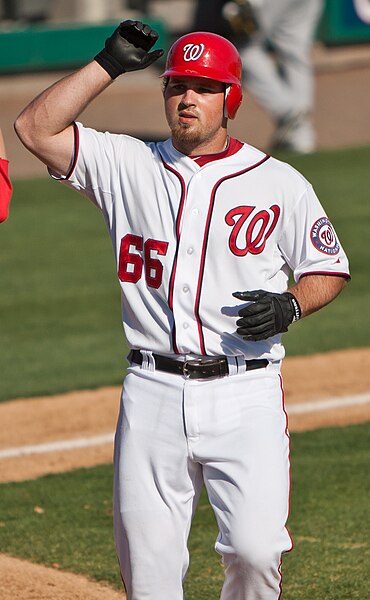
193	51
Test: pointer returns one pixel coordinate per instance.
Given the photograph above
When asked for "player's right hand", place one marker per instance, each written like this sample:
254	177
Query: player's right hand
128	49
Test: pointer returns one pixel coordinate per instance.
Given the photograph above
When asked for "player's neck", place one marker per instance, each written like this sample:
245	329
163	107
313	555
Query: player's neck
191	148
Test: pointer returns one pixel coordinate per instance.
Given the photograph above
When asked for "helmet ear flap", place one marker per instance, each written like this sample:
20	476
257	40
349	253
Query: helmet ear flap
233	99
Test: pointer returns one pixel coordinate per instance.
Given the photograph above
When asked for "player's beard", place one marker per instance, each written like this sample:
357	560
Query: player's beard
186	138
186	135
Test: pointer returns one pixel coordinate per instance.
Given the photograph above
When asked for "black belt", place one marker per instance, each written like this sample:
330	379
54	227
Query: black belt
197	368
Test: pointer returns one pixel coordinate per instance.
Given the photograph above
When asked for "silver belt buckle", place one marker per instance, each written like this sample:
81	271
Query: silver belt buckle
185	371
185	368
197	362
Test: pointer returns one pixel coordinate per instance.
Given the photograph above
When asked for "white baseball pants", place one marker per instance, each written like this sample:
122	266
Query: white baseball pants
172	435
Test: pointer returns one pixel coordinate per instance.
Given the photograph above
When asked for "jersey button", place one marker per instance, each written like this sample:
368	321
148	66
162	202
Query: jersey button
185	289
185	325
190	250
195	211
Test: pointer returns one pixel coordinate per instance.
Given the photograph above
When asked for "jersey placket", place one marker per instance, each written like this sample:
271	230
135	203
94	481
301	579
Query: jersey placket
189	259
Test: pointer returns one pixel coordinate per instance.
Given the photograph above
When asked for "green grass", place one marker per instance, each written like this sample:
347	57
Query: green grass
329	522
59	299
75	529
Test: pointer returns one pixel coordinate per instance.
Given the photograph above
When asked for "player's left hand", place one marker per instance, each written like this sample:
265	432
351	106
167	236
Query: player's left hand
267	314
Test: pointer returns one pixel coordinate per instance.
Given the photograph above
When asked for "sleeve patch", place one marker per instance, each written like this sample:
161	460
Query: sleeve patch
323	237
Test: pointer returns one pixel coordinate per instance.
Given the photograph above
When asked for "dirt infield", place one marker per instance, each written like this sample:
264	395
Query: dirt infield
91	413
21	580
80	415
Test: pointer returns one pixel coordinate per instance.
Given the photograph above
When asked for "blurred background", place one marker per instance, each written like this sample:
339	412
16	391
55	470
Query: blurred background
42	40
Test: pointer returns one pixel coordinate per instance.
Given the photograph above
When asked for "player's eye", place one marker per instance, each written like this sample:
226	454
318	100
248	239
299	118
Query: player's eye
178	87
206	89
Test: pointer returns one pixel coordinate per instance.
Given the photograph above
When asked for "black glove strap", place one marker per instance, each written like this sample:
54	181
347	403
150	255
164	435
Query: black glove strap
112	66
295	305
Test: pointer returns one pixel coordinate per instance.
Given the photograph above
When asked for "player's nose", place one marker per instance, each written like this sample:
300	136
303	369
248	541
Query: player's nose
189	97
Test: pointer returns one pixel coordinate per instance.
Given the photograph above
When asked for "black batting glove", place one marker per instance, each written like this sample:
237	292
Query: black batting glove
266	315
127	49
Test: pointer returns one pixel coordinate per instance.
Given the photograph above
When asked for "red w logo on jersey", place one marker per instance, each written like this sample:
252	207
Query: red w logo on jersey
253	230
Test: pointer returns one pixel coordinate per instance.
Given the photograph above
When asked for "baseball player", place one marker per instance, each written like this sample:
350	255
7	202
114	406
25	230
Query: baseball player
205	230
5	183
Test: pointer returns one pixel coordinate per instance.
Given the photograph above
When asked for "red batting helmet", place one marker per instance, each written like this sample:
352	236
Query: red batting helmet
208	55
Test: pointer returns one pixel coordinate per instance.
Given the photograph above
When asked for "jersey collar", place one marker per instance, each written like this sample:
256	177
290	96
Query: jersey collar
233	146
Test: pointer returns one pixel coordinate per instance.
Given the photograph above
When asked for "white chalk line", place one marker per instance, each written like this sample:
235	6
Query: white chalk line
59	445
101	440
328	404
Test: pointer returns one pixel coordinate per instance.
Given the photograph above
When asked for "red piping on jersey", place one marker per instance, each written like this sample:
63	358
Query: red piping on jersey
173	272
205	243
75	152
326	273
290	479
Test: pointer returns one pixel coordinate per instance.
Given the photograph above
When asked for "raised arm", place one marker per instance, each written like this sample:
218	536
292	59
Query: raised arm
45	125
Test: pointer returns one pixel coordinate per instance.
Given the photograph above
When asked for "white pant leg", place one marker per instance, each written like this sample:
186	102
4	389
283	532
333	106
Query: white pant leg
156	486
241	439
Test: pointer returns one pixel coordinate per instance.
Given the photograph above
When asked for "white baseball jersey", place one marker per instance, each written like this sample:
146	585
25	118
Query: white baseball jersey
186	236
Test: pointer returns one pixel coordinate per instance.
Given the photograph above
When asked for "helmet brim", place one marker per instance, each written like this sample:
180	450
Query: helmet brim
211	74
